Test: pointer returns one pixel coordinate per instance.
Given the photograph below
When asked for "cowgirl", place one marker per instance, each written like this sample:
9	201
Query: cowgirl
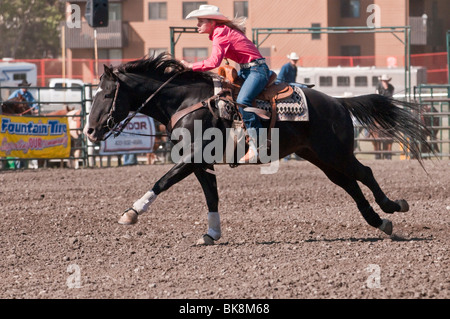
229	41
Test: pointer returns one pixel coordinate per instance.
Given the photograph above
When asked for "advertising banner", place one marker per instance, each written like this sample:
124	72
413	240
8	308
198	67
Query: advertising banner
34	137
137	137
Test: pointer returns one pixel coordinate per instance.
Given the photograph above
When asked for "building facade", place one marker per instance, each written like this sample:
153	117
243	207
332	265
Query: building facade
142	27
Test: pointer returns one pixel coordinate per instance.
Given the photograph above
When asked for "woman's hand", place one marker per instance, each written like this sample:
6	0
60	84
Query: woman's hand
186	64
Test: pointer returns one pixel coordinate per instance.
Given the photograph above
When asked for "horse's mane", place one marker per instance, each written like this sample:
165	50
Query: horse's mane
163	66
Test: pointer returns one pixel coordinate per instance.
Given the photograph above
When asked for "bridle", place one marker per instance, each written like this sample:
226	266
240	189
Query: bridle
117	128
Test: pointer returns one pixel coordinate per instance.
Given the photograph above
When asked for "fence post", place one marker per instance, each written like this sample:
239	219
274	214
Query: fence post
42	65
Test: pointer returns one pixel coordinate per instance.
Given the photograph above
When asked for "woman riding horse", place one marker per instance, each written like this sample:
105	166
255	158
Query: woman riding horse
164	89
229	41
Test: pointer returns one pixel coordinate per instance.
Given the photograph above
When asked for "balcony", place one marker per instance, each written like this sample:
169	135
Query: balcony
114	36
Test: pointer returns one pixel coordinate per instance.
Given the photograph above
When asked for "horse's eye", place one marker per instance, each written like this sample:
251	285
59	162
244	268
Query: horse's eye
109	96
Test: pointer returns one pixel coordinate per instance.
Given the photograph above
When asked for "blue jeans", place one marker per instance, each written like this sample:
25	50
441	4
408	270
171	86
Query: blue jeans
129	159
255	79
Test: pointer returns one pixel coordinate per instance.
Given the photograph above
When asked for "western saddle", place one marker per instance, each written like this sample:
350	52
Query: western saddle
231	85
271	93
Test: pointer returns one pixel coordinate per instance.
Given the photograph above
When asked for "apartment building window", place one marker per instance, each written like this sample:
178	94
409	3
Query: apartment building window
115	11
195	54
350	8
241	9
315	35
351	50
157	10
156	51
190	6
266	53
110	54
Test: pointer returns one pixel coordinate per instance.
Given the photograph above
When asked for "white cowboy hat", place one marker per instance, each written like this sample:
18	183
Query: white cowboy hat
385	77
293	56
207	11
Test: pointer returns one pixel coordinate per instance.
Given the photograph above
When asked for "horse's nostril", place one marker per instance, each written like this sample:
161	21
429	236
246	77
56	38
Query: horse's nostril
90	131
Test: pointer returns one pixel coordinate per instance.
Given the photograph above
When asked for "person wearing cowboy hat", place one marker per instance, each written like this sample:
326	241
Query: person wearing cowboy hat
229	41
23	91
288	72
384	87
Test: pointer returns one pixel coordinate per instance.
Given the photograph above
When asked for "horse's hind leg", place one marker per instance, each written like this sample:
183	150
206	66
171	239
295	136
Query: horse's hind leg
351	186
365	175
353	189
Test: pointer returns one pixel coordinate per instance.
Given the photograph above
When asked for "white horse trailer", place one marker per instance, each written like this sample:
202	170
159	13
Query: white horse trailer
13	73
352	81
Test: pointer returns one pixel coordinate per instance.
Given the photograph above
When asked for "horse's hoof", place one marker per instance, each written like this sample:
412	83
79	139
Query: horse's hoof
129	217
206	240
404	206
386	226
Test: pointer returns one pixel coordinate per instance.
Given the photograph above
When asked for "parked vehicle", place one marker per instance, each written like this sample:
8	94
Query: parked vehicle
346	81
13	73
59	93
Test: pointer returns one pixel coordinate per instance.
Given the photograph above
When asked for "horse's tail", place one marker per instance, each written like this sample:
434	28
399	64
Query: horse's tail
397	119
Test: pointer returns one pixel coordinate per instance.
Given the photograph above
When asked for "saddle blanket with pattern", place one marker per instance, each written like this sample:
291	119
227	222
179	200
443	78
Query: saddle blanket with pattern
293	108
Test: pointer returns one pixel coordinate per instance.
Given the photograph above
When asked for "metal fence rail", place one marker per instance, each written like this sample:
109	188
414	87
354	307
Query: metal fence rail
434	101
83	152
434	112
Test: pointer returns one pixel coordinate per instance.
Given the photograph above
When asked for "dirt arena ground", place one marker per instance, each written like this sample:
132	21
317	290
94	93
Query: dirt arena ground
290	235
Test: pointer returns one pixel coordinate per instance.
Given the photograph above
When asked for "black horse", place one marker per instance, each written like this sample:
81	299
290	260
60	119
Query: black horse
163	87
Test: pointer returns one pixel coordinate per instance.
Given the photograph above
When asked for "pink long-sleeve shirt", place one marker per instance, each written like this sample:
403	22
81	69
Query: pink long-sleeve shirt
231	44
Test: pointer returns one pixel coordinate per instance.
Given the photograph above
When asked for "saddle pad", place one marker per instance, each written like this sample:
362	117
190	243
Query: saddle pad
293	108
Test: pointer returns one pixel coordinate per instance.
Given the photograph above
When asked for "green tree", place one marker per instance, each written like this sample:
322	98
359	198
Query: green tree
30	28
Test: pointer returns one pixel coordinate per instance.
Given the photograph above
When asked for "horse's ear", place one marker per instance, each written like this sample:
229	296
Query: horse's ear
109	72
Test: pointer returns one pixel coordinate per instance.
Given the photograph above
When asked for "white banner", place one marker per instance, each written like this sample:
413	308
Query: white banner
127	142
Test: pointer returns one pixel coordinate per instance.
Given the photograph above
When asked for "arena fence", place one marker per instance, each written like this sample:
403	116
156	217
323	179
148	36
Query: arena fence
434	101
83	153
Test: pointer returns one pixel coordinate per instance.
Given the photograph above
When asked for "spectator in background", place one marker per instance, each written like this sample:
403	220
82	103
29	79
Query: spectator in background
23	90
384	87
288	72
130	159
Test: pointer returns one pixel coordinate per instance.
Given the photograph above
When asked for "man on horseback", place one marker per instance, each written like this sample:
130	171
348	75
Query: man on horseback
229	41
23	91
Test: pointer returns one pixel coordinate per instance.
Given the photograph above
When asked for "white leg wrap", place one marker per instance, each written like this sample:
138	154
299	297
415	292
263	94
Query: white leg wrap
214	225
142	204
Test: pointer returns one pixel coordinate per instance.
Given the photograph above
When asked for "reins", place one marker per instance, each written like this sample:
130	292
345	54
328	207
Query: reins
118	128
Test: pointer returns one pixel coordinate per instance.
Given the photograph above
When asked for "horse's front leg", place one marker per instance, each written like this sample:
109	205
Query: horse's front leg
207	178
173	176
